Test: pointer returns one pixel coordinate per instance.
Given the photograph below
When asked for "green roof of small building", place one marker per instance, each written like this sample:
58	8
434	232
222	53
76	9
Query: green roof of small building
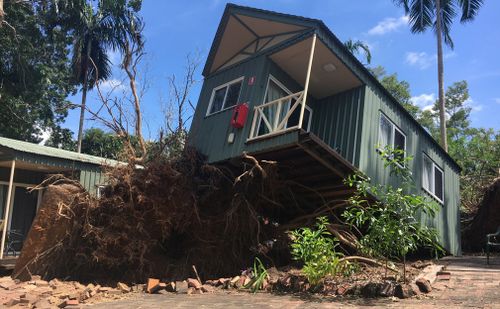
36	149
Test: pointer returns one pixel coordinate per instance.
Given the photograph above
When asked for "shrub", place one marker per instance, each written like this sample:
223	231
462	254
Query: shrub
316	249
392	228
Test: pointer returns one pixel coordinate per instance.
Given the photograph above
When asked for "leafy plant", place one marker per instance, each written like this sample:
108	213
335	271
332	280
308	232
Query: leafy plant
316	249
392	228
259	275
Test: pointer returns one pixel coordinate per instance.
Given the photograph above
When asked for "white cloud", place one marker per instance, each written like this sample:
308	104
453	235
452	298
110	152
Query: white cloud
497	100
425	101
388	25
112	84
423	60
475	106
420	59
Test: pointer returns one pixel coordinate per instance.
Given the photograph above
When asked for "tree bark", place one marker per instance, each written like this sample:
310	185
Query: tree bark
84	98
442	108
1	13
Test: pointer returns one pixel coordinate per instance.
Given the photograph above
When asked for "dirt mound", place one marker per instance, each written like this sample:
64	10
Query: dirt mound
159	221
486	221
49	227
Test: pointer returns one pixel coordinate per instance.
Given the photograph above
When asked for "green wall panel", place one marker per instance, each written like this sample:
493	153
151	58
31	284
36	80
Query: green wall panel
447	220
337	121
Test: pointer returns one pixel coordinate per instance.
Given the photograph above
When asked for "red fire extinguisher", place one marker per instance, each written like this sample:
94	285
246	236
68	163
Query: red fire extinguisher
239	117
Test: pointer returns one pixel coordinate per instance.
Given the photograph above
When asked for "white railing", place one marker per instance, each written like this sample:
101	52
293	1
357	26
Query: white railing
272	118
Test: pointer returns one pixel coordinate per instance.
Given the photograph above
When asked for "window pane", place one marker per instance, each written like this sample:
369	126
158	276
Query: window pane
233	95
438	183
218	100
399	143
427	174
385	131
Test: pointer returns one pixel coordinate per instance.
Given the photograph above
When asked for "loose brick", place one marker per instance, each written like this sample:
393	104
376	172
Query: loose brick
153	285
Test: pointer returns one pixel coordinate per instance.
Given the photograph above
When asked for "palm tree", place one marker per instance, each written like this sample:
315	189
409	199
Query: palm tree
439	15
107	26
359	46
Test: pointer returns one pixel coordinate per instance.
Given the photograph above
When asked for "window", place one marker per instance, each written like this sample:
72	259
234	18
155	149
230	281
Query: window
225	96
99	190
274	91
433	179
391	135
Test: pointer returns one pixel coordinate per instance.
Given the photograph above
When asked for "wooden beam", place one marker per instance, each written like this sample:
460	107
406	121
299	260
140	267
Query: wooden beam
7	208
308	76
323	161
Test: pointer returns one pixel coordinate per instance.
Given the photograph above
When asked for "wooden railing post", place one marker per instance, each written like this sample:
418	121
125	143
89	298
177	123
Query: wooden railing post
308	76
7	208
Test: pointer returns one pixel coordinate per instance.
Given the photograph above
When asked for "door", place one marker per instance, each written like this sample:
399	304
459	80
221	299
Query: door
23	212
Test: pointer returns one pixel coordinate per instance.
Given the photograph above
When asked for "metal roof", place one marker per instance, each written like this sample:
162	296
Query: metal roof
40	150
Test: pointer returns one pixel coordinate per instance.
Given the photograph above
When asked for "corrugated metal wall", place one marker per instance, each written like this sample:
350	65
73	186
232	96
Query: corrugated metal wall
209	134
448	220
337	121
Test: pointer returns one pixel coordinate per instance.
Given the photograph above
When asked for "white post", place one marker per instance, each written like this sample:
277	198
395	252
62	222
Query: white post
7	207
308	76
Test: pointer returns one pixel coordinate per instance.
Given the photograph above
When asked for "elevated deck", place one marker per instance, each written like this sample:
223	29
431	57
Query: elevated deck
317	169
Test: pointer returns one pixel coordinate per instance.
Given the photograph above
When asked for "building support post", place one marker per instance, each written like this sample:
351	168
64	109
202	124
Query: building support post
7	207
308	76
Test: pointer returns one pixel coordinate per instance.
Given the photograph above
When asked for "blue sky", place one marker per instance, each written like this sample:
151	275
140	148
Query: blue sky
176	28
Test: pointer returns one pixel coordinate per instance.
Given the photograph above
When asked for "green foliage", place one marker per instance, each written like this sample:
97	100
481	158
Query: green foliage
34	70
391	224
400	90
259	274
316	249
355	47
102	144
97	27
422	14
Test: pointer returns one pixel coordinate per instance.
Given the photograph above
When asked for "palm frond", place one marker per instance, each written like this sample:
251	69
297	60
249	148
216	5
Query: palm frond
470	9
404	4
448	13
422	13
357	46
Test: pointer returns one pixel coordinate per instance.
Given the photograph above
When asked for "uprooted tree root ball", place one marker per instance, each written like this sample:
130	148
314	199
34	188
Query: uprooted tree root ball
159	220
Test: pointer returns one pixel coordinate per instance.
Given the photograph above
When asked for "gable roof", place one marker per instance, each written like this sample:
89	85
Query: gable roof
317	25
40	150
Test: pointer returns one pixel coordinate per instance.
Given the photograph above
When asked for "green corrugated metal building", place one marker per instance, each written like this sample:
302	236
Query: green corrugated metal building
314	107
24	165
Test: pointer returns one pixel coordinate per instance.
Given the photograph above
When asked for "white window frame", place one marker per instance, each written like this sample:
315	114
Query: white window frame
432	185
98	190
393	135
288	92
234	81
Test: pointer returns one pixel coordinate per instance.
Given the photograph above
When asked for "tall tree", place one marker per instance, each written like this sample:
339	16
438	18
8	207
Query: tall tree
34	70
98	28
439	15
357	46
457	114
400	89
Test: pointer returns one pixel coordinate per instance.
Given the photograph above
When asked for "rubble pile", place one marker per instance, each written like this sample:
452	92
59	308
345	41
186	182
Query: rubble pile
38	293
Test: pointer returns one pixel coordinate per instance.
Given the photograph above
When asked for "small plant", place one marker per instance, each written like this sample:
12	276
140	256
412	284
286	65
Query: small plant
316	249
259	275
391	224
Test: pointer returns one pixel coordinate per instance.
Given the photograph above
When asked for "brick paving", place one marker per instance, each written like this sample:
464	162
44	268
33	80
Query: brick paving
472	284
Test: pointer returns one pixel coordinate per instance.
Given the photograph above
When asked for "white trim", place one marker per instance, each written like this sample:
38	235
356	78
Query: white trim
223	107
285	89
433	178
7	207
